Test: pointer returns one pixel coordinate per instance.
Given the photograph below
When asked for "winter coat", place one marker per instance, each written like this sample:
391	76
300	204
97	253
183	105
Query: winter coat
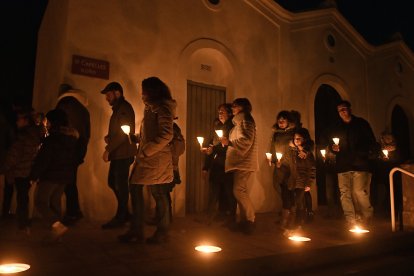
118	145
280	141
22	152
56	160
216	160
242	151
357	145
301	172
79	119
153	163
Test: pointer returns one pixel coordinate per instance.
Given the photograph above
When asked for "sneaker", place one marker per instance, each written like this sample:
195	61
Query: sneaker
113	224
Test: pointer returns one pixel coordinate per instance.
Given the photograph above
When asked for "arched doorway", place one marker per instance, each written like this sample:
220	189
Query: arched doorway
401	130
326	116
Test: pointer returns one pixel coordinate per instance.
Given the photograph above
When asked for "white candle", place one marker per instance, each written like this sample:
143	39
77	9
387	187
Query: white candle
336	141
385	152
278	156
268	156
126	129
200	141
219	133
323	153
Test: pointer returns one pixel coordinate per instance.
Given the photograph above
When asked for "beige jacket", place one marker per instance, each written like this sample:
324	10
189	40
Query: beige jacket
153	163
242	151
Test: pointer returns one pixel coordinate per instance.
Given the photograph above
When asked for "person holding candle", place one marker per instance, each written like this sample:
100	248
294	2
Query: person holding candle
389	157
221	198
301	177
242	160
153	166
356	145
119	151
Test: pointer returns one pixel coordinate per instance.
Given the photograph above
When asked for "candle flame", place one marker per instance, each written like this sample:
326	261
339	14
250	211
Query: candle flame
268	155
219	133
385	152
336	141
323	152
278	156
126	129
200	140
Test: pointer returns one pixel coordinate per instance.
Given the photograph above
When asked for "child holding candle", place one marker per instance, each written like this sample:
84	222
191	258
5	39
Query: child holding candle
301	176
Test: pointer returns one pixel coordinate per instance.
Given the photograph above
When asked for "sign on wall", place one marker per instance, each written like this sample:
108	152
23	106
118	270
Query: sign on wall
90	67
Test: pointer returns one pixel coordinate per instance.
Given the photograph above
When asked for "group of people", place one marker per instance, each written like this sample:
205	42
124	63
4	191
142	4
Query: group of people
47	150
350	161
49	153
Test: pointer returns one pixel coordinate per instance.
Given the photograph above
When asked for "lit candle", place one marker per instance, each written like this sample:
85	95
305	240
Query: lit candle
268	156
200	141
336	141
278	156
385	152
219	133
323	153
127	129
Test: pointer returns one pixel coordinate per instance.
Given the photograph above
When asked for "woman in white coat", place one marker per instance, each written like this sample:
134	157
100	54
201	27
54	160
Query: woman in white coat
242	160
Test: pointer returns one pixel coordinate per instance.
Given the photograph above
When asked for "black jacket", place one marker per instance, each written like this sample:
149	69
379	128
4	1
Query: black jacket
357	145
57	157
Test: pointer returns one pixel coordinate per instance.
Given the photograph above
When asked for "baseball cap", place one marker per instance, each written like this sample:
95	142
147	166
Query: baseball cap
112	86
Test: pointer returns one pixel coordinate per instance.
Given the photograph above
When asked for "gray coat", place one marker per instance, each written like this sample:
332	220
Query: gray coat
242	151
153	163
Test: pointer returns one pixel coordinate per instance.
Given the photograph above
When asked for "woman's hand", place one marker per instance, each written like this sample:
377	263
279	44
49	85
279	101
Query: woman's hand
307	189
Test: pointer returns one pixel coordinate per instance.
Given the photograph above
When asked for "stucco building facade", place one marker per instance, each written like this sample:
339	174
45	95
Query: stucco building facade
238	48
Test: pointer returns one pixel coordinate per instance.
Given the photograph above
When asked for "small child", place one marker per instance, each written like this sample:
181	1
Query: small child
301	177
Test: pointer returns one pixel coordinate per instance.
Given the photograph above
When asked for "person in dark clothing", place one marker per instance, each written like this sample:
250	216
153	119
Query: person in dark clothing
220	182
356	145
79	119
301	177
53	169
18	163
388	158
334	210
119	151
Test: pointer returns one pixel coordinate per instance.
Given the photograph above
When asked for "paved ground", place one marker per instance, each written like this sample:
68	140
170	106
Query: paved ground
88	250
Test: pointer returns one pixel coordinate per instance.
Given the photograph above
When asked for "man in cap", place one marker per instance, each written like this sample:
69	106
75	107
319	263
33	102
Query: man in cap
119	151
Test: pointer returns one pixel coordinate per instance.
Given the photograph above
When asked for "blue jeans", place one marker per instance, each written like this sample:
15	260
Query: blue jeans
355	191
118	182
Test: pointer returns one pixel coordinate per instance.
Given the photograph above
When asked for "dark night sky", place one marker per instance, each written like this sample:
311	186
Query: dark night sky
377	20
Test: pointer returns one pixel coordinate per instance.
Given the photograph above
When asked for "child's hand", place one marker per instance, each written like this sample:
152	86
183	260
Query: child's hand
278	164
